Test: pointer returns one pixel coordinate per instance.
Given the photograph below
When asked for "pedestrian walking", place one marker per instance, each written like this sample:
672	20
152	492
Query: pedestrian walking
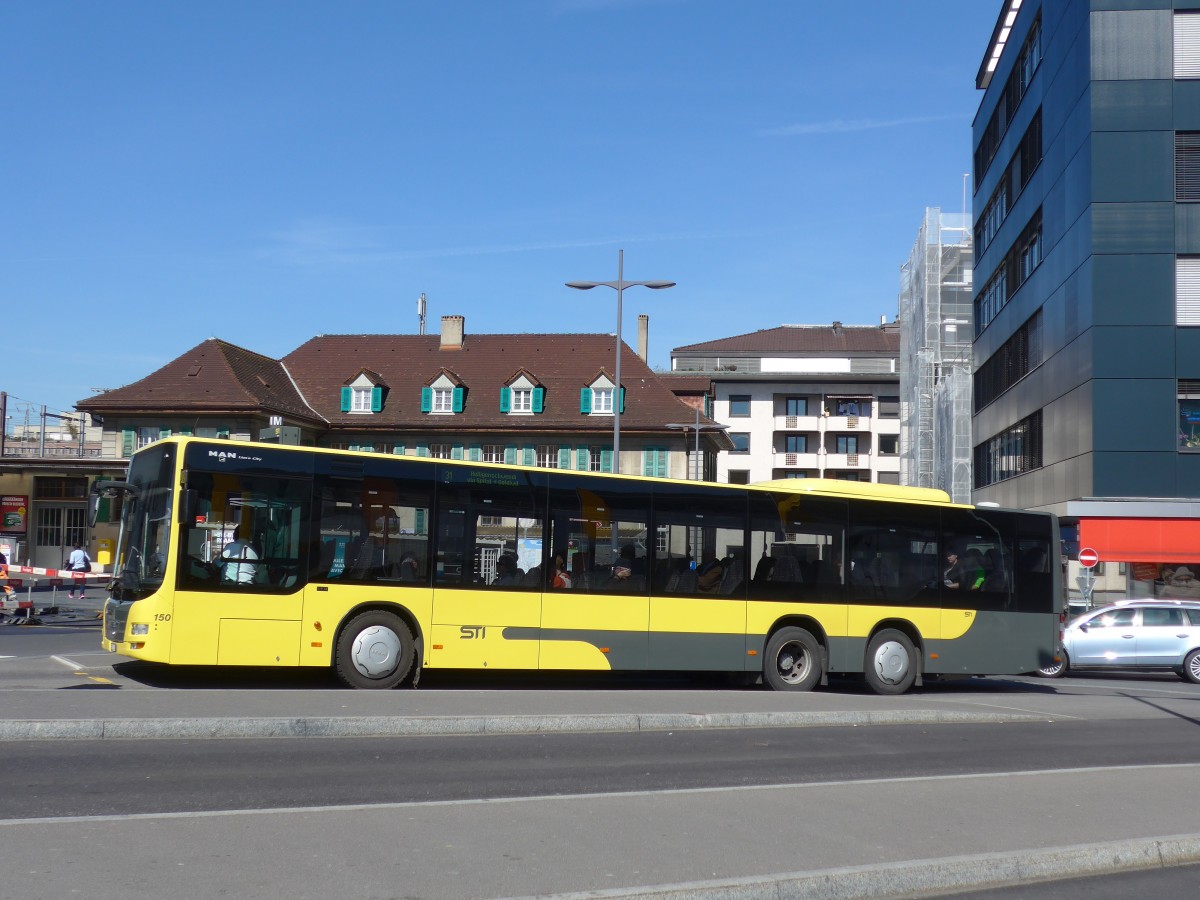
78	561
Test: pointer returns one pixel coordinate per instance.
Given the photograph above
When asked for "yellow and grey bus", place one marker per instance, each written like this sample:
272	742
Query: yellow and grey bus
382	566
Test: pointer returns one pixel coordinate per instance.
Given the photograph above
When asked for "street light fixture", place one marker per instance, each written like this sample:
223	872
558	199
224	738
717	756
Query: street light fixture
687	426
619	285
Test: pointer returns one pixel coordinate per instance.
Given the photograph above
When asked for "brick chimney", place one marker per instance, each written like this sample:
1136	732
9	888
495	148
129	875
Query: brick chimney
643	336
452	332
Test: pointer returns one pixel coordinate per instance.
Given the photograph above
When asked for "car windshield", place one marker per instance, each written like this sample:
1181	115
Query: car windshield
146	522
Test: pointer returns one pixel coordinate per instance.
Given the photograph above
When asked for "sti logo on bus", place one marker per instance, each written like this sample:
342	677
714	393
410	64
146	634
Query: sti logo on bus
472	632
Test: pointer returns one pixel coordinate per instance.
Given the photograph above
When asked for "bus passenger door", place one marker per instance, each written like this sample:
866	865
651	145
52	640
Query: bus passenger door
239	597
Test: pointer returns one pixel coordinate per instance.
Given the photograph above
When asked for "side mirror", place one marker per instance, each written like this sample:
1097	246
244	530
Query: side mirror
187	505
93	507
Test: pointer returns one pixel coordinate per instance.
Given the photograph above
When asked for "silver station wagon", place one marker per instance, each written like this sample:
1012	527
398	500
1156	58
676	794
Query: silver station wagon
1144	635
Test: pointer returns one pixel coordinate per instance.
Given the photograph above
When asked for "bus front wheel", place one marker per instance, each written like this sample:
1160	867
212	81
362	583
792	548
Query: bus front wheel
890	666
792	661
374	651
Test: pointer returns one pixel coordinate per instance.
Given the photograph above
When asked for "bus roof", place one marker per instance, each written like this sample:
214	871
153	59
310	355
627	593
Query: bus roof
866	489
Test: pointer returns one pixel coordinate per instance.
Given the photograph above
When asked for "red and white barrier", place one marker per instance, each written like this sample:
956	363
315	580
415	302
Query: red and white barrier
12	601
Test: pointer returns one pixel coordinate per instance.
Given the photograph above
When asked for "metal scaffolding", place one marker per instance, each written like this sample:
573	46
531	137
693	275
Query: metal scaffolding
936	329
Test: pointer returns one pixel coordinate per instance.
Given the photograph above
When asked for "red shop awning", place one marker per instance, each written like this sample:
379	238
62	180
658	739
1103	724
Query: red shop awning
1142	540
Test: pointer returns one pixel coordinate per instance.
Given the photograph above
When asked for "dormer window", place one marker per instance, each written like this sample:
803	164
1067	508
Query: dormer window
443	400
522	396
444	396
363	394
360	399
602	401
597	398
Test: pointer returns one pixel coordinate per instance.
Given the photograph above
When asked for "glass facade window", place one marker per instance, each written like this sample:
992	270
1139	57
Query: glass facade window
1012	452
739	405
1189	415
741	441
1016	358
795	443
795	406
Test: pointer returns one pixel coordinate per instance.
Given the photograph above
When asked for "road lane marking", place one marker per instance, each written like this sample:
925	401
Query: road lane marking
69	663
540	798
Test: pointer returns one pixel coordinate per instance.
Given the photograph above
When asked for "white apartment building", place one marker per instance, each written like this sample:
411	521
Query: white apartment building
804	401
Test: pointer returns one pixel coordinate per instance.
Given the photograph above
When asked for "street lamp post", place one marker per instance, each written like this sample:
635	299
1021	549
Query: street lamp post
619	285
685	427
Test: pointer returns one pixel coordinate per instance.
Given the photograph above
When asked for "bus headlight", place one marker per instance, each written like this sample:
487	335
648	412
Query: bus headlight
139	628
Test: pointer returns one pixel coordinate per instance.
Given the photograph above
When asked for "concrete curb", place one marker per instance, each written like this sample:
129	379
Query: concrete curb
406	726
930	877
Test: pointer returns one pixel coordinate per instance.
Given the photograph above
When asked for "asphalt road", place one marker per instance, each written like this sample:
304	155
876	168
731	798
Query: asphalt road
1085	763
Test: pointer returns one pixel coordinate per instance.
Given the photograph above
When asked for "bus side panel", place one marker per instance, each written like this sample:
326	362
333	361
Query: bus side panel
327	606
697	633
593	631
996	643
199	627
484	629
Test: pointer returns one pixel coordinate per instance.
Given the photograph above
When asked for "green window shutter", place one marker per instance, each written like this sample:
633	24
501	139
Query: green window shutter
539	396
163	432
352	447
426	399
456	452
475	453
606	461
223	435
367	448
346	392
648	461
128	442
583	459
376	399
422	449
505	399
622	399
419	521
564	457
398	450
585	400
530	455
659	461
186	431
459	394
510	456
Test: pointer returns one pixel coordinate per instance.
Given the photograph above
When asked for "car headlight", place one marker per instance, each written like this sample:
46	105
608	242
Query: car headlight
139	628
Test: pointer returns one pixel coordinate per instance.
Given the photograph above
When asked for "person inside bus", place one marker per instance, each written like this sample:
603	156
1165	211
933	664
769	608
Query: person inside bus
965	573
507	573
708	575
561	580
409	569
238	562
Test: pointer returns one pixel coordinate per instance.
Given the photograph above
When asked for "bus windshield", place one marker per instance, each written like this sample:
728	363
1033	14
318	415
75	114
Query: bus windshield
145	523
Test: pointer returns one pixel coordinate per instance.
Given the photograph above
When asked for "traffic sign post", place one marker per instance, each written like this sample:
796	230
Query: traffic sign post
1088	558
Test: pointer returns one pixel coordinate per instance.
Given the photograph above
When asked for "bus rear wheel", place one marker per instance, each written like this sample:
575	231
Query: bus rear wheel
374	651
890	666
792	661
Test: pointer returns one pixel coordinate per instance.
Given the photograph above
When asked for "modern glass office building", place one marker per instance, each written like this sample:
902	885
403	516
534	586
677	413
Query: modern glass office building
1087	282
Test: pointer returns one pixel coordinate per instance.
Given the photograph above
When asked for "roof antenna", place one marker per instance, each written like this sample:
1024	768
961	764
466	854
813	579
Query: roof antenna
421	313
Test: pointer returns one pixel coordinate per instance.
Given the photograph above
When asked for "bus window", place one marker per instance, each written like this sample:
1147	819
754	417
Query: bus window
601	530
892	554
246	532
977	558
373	529
796	547
490	528
700	540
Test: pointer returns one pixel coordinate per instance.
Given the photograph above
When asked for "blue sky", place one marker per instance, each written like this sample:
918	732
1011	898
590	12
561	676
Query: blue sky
265	171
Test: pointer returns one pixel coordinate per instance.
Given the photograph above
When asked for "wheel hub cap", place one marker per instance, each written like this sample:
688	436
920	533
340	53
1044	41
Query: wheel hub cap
376	651
891	662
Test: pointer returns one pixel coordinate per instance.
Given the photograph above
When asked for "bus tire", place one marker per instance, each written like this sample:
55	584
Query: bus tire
792	661
375	651
890	666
